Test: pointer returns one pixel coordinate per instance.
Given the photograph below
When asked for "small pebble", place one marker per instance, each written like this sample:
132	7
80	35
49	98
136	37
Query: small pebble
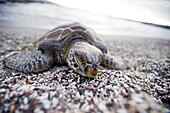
12	108
25	100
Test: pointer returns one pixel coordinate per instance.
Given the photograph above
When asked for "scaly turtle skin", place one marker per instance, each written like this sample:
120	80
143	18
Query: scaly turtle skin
74	44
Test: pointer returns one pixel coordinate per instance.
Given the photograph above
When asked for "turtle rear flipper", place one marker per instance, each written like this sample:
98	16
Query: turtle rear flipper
30	62
113	62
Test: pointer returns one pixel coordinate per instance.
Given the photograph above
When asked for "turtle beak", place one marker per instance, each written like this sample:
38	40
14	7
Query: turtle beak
91	71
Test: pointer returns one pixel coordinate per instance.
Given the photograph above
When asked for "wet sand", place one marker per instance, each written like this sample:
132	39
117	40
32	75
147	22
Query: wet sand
145	87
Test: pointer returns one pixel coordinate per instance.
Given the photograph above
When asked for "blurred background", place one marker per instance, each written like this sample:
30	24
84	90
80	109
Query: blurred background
126	18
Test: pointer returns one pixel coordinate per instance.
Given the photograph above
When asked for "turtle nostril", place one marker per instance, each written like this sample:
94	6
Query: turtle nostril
94	66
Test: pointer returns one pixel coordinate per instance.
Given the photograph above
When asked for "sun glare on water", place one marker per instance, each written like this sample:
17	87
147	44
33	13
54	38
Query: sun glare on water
115	8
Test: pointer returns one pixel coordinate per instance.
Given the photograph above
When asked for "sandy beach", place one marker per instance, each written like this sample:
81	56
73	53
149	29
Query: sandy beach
145	45
145	87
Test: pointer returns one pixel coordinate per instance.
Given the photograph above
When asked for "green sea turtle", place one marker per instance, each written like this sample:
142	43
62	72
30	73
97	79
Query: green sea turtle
73	44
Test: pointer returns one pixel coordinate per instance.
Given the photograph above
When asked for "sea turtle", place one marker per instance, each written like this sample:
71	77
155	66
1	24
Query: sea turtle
73	44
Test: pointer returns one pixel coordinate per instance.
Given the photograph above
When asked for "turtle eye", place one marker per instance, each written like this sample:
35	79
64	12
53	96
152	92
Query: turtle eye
80	58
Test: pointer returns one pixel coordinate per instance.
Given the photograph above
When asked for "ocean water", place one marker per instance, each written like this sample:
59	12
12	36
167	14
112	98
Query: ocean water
47	16
150	11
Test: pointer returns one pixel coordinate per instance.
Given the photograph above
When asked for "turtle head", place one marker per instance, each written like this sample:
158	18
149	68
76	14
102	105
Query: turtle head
85	62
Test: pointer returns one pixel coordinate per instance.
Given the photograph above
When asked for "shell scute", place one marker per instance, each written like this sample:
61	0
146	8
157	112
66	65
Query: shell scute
65	33
54	34
78	27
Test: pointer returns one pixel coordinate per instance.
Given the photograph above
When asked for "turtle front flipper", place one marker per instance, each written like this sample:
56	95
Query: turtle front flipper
30	62
113	62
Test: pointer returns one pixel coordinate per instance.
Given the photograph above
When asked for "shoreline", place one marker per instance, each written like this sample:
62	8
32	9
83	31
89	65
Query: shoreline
40	32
